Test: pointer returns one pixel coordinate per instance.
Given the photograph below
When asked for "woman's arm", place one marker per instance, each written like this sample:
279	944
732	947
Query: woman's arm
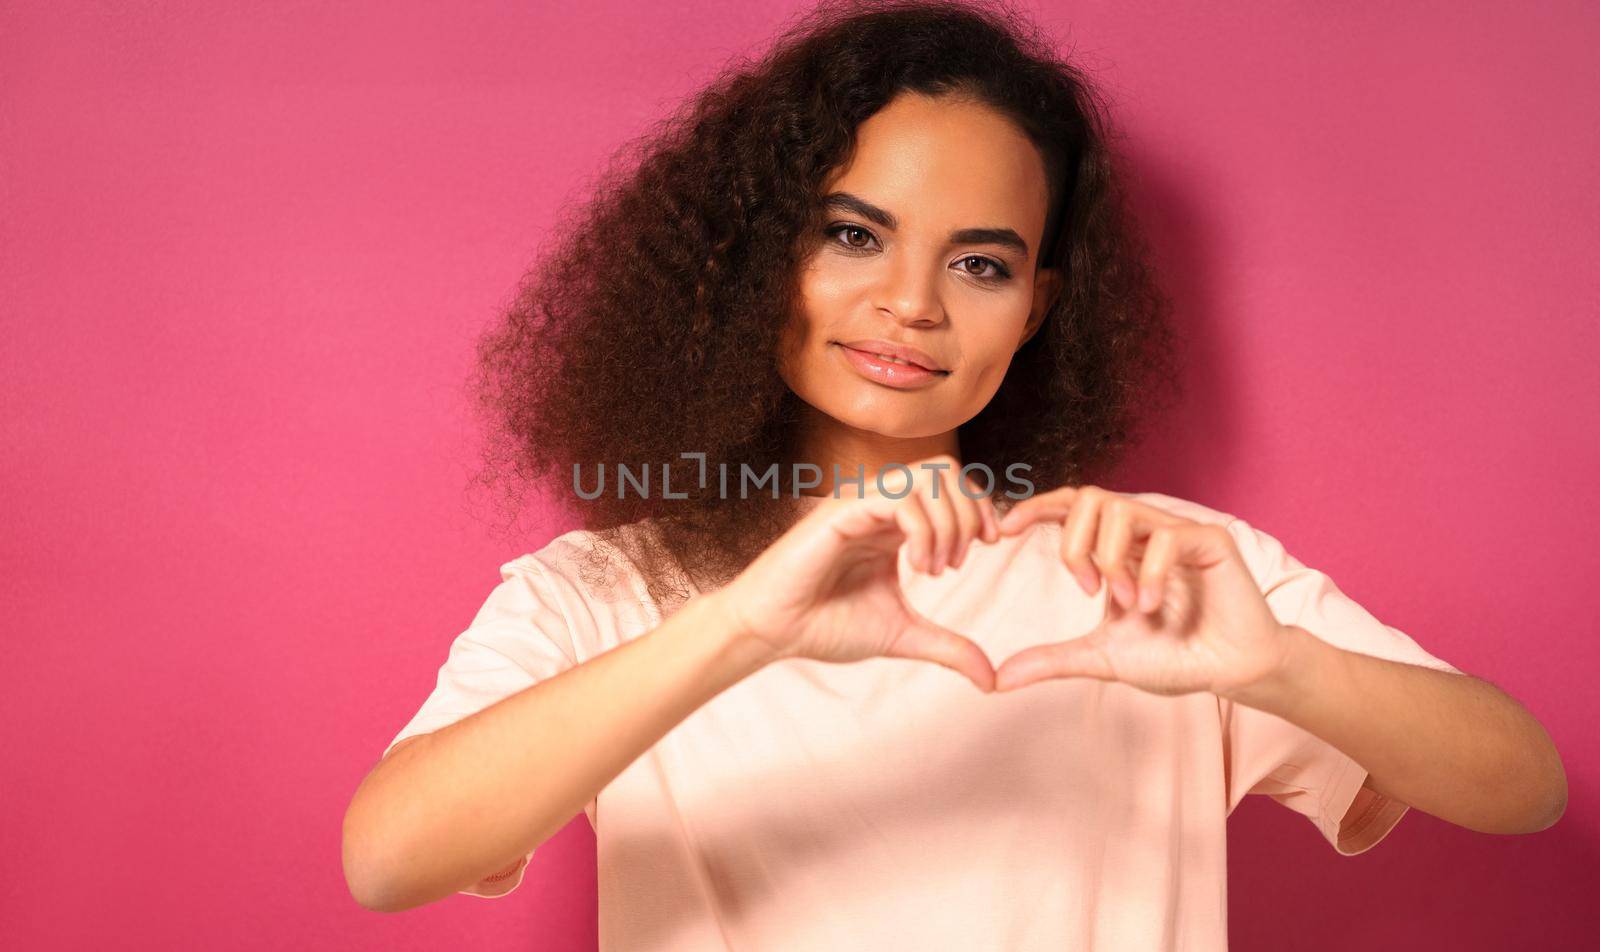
1451	745
1186	612
497	875
472	798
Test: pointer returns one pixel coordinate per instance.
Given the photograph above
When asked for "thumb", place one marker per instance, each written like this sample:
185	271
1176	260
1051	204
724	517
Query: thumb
1078	658
924	640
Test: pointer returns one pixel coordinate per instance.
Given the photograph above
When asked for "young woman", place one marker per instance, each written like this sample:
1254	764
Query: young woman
893	251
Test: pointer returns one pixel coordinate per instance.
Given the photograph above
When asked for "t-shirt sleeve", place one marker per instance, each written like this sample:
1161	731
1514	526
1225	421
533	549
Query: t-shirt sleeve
519	637
1266	754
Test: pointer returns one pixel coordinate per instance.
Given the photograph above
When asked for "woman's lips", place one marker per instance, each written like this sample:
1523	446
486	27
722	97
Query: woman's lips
890	374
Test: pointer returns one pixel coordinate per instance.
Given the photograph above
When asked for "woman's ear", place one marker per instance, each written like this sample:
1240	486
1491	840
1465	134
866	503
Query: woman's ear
1046	286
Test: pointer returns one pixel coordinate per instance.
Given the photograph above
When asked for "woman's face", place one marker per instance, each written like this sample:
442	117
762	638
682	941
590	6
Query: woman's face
930	242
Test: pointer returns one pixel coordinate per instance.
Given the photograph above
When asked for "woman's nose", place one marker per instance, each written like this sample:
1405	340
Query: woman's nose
909	293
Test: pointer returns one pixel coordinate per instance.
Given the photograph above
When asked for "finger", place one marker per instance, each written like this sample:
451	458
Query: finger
1112	542
924	640
1077	536
991	516
1078	658
942	515
856	518
989	530
1052	506
1199	544
1159	556
913	521
968	516
1127	550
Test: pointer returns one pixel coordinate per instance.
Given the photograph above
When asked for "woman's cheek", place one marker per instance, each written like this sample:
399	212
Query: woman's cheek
985	382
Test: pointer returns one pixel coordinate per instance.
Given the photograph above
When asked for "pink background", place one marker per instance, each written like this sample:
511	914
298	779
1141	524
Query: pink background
244	255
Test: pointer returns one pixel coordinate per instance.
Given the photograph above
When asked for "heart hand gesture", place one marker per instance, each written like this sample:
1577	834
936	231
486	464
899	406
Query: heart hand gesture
1183	612
829	588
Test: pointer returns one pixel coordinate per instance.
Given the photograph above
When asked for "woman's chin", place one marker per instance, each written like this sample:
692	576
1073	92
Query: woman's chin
897	423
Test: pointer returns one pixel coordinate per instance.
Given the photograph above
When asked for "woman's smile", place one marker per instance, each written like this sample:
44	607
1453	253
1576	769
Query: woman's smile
890	371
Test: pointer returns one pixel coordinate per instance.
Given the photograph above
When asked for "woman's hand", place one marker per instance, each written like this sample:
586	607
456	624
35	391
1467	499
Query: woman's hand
1183	613
829	587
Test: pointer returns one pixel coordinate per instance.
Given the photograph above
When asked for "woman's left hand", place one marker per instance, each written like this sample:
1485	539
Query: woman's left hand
1183	614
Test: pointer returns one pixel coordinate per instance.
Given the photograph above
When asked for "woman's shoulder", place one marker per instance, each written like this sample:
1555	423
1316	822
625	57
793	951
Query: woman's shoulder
565	553
586	564
1263	553
1180	506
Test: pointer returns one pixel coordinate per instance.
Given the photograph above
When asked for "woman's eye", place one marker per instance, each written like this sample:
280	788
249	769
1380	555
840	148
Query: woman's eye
850	233
998	270
859	239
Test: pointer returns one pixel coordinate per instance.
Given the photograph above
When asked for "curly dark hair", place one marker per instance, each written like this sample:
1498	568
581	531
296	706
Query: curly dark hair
651	328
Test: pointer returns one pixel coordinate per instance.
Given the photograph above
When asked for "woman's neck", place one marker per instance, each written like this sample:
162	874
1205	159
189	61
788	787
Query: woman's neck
826	442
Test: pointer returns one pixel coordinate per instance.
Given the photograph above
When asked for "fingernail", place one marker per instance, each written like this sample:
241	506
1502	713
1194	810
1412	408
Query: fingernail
1147	598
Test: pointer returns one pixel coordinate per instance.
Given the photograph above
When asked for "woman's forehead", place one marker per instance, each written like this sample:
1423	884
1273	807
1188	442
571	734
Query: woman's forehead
946	163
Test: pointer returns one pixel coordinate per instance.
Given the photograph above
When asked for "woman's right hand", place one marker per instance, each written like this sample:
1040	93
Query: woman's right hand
829	587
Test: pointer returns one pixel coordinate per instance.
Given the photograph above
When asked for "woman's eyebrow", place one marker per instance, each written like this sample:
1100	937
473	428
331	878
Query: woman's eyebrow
1005	237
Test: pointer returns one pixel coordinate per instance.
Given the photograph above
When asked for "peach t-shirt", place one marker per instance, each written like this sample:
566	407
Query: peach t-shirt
889	804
